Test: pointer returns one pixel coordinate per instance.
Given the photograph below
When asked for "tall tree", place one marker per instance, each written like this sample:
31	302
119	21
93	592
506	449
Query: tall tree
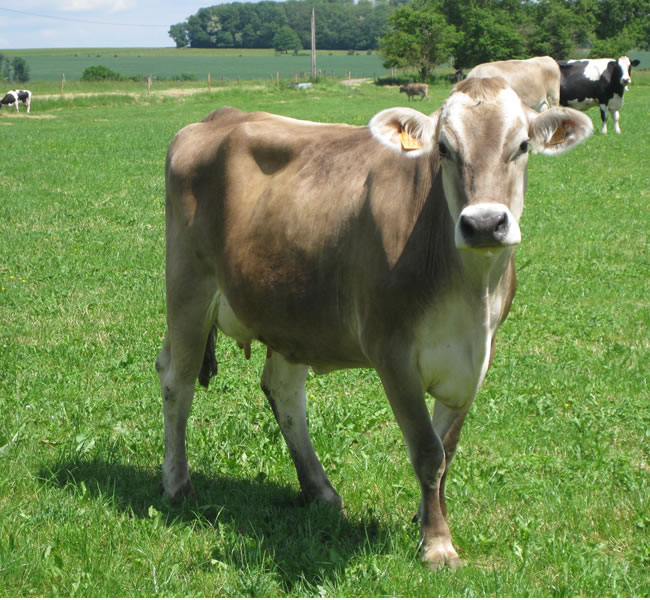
178	33
419	38
286	39
20	69
487	36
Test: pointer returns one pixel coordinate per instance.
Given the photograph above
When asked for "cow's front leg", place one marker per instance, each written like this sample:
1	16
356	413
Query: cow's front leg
427	455
447	424
603	116
284	386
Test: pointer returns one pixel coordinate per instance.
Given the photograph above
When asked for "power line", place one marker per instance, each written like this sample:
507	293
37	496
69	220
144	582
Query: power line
73	20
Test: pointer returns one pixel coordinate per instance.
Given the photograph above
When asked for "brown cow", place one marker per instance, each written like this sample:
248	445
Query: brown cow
388	246
416	89
536	80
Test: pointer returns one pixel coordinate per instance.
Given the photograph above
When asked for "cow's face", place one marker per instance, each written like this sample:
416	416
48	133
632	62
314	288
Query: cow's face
626	69
482	136
483	143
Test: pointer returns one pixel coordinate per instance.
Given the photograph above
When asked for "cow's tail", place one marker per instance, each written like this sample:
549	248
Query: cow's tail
209	367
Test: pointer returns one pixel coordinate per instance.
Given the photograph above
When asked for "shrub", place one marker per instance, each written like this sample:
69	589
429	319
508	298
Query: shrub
100	73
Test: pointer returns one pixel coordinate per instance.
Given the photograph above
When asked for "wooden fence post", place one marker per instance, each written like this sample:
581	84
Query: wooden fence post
209	83
62	82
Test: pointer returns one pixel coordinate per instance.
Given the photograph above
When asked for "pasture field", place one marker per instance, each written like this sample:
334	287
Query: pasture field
223	64
548	495
166	63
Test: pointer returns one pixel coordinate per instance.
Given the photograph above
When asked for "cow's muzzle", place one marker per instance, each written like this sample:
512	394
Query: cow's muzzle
486	226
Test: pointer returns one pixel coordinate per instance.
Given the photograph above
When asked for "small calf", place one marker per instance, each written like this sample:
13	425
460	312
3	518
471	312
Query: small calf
16	96
416	89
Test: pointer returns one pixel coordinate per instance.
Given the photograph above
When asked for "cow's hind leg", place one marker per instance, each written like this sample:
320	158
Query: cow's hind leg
615	117
284	386
189	337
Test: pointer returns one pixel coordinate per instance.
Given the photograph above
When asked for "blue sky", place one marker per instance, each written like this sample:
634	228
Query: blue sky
92	23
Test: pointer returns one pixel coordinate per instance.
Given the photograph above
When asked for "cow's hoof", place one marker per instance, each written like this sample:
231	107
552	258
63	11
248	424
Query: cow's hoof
180	494
438	554
331	498
325	497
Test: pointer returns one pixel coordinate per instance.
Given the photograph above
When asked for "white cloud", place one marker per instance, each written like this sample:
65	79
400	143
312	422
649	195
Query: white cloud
110	6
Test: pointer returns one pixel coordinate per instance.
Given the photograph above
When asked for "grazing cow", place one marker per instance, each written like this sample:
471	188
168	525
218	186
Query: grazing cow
416	89
388	246
596	82
536	80
16	96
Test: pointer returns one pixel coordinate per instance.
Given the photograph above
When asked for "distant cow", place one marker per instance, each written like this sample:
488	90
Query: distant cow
536	80
389	246
16	96
416	89
596	82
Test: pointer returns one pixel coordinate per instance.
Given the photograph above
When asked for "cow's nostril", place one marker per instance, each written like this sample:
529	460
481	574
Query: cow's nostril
502	223
468	226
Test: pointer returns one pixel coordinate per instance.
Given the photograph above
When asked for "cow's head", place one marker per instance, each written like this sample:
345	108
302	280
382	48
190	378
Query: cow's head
482	135
626	69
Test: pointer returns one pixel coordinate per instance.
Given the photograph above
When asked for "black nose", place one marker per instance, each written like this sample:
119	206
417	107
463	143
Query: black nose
484	229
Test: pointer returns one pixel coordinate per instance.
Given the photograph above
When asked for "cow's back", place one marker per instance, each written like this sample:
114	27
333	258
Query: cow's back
535	79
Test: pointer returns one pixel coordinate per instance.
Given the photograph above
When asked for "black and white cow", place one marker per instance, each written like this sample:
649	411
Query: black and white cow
596	82
16	96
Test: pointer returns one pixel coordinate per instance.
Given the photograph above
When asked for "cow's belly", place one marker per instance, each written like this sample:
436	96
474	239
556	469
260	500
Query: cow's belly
615	102
305	338
584	103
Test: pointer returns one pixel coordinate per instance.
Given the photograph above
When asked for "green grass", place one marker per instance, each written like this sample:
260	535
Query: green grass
164	63
548	494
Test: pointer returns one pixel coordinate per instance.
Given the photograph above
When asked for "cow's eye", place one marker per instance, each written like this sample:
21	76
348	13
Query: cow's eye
444	151
524	147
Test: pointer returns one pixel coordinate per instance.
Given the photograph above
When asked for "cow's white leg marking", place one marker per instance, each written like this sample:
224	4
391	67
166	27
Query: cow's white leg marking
615	116
427	455
284	385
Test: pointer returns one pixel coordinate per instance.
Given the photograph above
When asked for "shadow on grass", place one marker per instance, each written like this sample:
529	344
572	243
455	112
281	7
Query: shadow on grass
269	525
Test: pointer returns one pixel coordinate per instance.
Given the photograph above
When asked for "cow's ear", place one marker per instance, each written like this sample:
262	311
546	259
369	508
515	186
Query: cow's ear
635	63
558	129
405	130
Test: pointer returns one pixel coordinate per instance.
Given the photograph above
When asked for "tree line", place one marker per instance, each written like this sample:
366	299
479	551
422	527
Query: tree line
421	34
341	25
426	33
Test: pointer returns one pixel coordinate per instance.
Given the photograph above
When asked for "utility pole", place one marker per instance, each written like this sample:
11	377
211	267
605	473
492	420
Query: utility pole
313	43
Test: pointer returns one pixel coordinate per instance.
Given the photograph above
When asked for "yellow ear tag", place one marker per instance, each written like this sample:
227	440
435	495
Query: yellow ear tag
559	136
409	143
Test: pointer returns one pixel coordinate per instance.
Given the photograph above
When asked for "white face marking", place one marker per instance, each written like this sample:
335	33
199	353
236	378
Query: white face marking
457	137
625	64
